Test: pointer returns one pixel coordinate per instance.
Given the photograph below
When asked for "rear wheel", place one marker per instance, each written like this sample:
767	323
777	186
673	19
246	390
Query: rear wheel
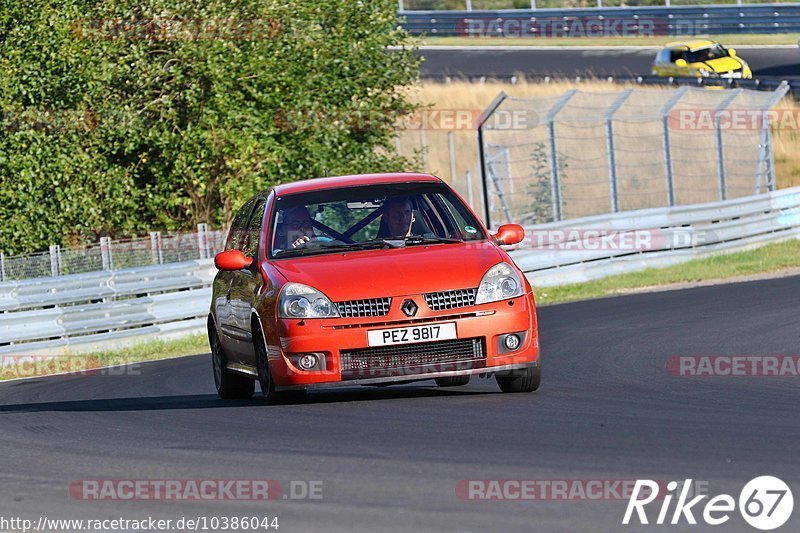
452	381
527	380
229	385
271	396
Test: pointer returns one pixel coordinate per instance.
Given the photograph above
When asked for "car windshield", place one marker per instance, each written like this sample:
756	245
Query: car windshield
370	217
705	54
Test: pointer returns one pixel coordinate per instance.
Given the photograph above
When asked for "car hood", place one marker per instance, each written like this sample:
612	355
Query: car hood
722	64
393	272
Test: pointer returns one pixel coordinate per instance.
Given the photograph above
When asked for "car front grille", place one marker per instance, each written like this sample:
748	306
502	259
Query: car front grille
364	308
413	359
439	301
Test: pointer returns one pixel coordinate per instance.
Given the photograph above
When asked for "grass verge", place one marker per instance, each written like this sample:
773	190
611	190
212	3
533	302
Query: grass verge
728	40
29	366
765	260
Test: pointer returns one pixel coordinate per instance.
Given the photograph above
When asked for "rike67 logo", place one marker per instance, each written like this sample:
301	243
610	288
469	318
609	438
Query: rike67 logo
765	503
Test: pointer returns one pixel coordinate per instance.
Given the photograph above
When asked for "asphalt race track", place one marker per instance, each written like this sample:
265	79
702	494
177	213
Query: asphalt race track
390	458
778	62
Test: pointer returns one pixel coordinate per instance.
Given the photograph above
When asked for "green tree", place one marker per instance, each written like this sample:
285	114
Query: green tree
131	115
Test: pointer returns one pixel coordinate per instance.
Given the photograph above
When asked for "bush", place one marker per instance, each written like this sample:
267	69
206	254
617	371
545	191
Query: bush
135	116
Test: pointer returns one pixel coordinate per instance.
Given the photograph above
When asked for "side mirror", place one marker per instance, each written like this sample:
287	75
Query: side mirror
509	234
232	260
731	52
681	63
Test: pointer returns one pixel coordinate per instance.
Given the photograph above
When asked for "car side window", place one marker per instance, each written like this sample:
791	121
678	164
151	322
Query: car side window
238	226
675	55
249	245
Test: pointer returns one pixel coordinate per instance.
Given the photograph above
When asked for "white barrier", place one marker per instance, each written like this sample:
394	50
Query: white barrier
676	234
56	315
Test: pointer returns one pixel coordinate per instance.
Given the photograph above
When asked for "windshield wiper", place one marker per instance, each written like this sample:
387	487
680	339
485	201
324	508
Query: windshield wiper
375	244
301	251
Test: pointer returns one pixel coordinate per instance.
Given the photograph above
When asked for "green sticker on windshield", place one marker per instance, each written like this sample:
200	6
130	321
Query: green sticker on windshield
470	229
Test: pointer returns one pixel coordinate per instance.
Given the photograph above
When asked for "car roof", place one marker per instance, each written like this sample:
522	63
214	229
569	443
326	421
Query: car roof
691	45
355	180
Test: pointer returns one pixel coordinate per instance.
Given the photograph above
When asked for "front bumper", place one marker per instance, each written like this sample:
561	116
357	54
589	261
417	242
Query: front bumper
479	331
501	369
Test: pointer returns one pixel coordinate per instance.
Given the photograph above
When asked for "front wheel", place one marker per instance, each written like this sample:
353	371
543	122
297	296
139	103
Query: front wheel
271	396
229	386
527	380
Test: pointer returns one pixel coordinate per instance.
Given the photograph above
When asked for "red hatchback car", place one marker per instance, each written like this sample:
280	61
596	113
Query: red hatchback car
368	280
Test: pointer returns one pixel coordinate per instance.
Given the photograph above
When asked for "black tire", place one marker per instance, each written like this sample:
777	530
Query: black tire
452	381
527	380
271	396
229	386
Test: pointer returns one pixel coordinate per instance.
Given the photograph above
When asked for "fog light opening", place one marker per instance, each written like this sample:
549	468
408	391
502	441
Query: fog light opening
512	342
307	361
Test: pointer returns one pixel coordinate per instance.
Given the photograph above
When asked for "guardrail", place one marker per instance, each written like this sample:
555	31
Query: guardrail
606	22
54	315
573	251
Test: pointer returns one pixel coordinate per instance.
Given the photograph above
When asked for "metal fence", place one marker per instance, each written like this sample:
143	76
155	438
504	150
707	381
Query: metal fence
606	21
579	154
108	255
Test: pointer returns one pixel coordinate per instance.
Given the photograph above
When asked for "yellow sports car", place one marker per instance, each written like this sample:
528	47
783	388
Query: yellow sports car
700	58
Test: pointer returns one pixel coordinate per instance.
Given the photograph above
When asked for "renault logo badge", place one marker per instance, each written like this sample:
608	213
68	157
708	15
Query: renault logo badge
409	308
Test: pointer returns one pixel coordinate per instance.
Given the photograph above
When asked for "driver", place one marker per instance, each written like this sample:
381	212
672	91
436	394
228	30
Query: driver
297	227
398	217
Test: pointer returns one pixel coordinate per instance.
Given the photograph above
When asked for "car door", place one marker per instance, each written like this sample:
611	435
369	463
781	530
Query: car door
245	284
224	280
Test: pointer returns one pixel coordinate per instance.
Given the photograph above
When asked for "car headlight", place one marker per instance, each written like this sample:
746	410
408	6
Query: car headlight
301	301
704	72
500	282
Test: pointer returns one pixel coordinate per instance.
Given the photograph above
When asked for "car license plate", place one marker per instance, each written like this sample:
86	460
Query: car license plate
387	337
